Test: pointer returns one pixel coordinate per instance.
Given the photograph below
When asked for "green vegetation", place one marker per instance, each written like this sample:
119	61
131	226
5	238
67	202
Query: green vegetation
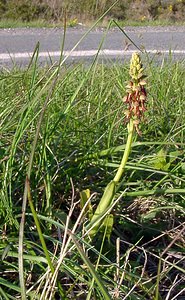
9	23
52	12
65	129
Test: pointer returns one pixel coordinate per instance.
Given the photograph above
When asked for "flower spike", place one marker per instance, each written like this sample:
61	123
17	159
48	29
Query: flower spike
136	93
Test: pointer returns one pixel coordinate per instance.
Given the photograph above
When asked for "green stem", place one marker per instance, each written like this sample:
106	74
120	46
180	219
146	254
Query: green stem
109	191
126	152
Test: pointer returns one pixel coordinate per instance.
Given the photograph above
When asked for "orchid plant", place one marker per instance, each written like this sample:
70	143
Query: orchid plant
135	100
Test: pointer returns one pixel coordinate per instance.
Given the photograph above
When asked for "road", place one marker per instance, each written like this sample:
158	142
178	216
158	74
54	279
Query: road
17	45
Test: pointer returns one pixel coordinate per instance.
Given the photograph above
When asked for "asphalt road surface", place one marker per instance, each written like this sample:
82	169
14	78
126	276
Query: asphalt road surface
17	45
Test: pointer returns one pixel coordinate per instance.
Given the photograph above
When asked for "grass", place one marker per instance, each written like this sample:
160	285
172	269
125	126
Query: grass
78	148
39	23
10	23
73	22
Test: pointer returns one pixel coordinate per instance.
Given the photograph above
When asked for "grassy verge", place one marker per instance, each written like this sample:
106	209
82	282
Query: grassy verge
80	144
73	22
9	23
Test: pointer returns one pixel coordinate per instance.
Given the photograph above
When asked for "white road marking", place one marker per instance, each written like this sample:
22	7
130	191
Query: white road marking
85	53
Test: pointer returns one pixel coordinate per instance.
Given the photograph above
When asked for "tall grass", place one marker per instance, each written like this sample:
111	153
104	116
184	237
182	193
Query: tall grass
80	143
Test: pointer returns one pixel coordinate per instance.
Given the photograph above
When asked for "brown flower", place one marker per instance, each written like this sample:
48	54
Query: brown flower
136	93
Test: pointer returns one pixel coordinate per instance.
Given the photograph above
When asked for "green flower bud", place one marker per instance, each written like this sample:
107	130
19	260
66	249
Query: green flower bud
136	67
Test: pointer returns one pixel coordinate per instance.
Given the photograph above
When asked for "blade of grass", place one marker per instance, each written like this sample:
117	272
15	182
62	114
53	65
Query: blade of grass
44	247
89	297
24	203
114	21
91	268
